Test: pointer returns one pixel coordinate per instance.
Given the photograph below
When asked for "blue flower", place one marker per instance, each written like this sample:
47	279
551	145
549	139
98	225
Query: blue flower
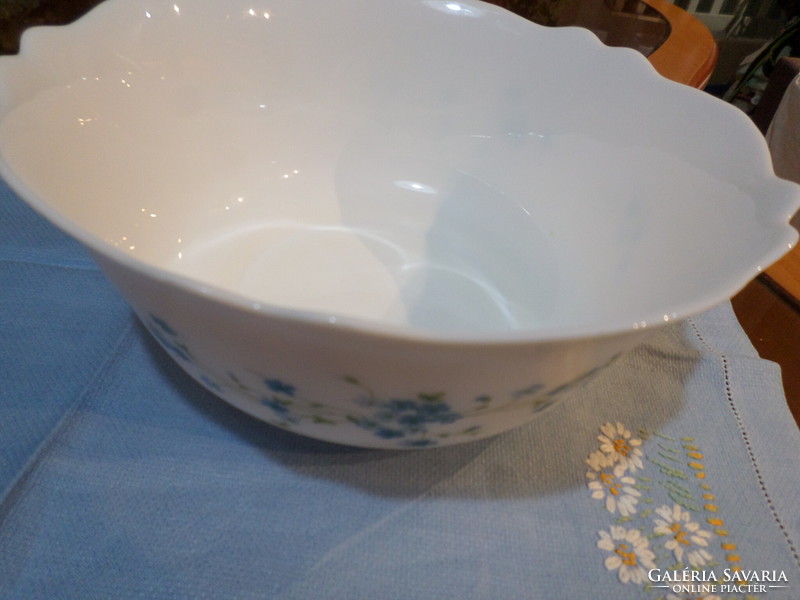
276	406
404	417
389	434
411	421
167	337
401	405
210	383
415	413
279	387
162	325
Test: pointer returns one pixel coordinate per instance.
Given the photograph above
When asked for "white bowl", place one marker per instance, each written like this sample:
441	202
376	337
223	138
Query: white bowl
387	223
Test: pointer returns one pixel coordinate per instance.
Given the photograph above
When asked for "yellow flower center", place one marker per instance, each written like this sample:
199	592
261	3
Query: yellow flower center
680	534
608	480
626	554
621	446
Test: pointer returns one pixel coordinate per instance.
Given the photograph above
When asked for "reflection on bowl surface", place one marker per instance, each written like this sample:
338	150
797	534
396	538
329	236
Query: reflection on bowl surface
387	223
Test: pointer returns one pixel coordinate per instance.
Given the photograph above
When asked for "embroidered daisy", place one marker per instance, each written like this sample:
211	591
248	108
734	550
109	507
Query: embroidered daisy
621	447
618	492
686	539
630	553
598	461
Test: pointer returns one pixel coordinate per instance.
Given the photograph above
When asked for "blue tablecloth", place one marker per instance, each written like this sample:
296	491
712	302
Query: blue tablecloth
122	479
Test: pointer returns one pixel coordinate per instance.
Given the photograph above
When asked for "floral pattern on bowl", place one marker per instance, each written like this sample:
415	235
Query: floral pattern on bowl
422	420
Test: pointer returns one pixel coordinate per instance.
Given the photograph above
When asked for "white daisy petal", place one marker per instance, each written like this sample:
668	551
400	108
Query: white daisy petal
630	553
684	537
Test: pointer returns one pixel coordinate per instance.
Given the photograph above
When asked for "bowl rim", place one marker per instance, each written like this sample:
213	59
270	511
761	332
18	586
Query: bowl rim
33	41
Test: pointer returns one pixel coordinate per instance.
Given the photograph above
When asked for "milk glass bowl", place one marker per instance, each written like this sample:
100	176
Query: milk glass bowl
385	223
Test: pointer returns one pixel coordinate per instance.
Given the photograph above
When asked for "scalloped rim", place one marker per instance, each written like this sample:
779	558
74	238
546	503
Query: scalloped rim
38	40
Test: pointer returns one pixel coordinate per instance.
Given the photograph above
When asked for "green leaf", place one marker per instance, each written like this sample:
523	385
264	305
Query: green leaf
322	420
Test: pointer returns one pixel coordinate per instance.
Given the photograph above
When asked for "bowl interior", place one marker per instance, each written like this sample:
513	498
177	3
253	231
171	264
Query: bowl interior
436	166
